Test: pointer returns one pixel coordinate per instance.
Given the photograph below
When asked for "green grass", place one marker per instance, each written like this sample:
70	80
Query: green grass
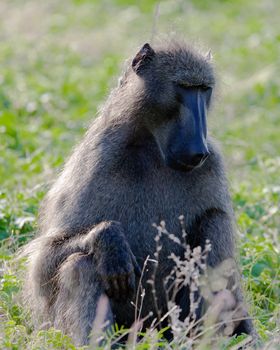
59	60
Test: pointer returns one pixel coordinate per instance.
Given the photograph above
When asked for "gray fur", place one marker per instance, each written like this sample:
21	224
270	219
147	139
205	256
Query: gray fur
116	185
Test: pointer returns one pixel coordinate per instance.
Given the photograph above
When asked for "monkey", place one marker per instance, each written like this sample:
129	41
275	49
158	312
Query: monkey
147	157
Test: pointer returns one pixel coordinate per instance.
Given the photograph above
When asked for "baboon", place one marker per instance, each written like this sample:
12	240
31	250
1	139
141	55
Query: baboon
146	158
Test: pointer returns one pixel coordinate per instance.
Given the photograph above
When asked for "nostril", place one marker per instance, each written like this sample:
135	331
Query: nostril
185	160
196	159
199	158
205	156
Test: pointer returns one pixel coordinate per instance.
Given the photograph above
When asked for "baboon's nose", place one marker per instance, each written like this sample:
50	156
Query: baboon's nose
186	161
198	158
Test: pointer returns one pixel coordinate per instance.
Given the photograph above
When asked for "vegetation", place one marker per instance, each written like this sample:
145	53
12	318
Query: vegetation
59	60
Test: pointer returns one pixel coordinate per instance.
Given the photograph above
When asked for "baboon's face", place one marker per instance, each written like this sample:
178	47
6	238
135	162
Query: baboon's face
182	139
180	95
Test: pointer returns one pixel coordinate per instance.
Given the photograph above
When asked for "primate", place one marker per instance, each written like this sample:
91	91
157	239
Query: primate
146	158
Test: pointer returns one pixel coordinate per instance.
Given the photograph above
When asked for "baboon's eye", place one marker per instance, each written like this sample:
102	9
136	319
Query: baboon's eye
205	88
182	85
186	87
184	92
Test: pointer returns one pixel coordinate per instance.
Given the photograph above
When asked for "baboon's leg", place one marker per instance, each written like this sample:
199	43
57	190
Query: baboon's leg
216	226
81	302
45	259
111	257
71	274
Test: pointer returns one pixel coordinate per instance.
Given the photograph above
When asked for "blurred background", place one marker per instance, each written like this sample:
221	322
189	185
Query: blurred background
58	62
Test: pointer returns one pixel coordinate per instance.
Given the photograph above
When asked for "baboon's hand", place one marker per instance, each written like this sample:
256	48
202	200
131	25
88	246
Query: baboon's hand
115	261
117	271
229	313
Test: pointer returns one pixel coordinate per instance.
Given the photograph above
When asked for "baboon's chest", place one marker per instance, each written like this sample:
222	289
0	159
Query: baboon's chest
140	206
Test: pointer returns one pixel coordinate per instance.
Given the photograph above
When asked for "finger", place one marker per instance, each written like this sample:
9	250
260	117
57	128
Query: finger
123	286
114	288
238	316
231	320
137	269
225	300
131	283
227	326
106	286
229	329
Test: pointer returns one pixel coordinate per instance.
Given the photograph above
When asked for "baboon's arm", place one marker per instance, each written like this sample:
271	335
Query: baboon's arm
111	256
216	226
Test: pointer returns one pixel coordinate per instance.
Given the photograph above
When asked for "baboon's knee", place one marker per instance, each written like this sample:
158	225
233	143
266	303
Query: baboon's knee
75	285
79	291
77	270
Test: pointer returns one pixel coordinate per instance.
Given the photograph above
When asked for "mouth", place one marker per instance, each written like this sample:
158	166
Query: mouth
177	164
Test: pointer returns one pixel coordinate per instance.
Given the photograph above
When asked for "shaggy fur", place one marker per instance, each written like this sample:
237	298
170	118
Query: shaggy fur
96	220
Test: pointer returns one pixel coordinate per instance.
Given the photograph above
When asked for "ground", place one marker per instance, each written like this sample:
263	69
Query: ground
59	60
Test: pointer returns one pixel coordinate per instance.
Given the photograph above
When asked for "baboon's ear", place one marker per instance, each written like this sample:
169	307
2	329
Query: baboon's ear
145	55
209	56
